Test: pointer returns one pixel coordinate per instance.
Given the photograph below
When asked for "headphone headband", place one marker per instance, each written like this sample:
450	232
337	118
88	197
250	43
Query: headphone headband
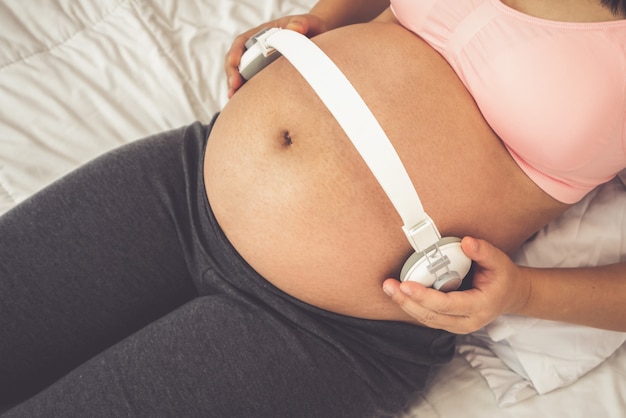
360	125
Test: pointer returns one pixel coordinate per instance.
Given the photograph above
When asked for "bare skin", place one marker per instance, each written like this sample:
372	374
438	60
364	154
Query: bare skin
499	286
302	208
564	10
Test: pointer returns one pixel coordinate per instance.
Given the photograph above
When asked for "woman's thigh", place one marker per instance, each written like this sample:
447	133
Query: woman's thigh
94	257
98	276
215	356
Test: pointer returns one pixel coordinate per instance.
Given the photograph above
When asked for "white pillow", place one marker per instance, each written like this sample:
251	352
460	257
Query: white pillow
521	357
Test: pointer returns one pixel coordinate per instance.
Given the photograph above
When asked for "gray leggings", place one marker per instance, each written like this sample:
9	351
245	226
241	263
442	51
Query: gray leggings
121	297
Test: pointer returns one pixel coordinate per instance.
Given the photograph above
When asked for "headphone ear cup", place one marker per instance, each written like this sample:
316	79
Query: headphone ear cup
418	266
411	267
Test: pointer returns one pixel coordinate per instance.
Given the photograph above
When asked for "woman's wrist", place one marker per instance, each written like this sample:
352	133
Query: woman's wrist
337	13
524	291
591	296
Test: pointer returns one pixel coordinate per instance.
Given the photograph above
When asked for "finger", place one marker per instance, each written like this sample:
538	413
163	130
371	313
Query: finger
232	61
234	83
454	312
483	253
416	311
456	304
298	24
411	296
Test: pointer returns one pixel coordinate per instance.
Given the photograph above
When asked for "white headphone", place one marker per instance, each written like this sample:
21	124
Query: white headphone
437	262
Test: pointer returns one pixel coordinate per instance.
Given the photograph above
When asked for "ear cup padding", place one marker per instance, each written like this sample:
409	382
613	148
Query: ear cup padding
416	267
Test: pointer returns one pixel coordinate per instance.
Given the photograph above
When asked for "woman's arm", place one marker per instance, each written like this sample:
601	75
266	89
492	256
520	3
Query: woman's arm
338	13
591	296
323	16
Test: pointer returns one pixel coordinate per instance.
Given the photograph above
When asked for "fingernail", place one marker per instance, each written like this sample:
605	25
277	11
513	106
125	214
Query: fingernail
388	290
406	290
294	25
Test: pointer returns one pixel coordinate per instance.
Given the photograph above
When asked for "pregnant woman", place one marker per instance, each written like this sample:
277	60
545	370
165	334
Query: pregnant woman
237	269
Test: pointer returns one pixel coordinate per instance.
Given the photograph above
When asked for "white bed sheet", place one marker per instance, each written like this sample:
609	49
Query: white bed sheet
460	391
78	78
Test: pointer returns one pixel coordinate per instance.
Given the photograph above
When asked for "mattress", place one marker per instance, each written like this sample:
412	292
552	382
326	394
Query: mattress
79	78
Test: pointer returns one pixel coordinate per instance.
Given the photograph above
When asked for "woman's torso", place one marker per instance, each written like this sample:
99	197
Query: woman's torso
296	200
553	90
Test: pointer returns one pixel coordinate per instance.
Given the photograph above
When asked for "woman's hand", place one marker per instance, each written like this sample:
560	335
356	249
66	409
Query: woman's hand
306	24
499	286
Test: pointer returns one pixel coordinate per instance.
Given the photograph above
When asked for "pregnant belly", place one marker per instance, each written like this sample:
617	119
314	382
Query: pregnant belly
299	204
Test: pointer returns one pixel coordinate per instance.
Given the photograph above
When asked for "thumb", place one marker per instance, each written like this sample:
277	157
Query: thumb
482	252
298	24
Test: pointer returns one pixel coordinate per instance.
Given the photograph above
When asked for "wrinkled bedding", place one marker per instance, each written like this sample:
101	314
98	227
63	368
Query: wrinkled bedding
79	78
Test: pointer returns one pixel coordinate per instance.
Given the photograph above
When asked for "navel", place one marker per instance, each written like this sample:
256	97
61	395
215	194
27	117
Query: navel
287	139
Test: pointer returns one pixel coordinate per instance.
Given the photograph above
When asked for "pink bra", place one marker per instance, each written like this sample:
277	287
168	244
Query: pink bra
555	92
